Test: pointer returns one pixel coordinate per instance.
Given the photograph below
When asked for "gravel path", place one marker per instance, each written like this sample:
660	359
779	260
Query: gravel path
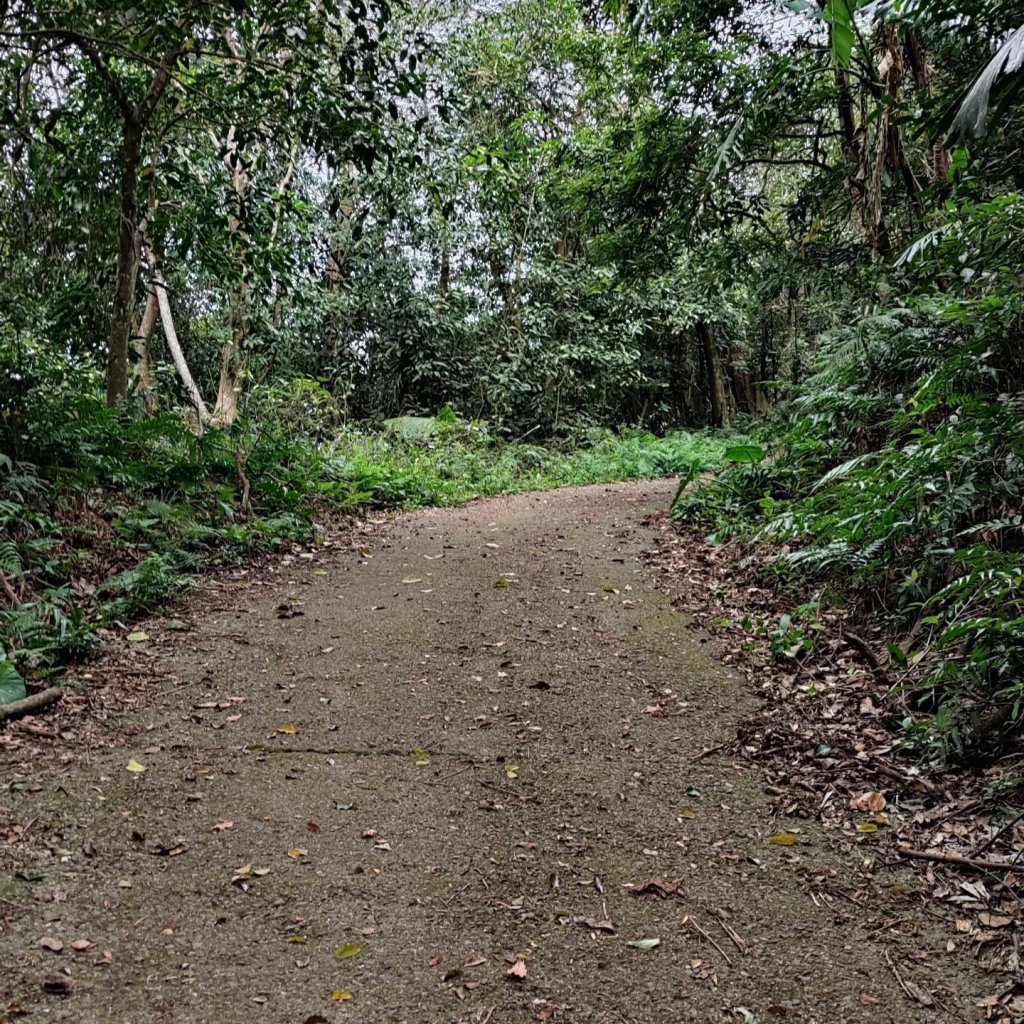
426	778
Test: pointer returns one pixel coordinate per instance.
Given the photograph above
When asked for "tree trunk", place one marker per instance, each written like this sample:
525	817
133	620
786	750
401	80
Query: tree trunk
225	411
715	380
145	380
127	265
203	418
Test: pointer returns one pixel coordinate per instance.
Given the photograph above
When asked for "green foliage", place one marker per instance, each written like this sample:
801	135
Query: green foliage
12	686
106	517
895	485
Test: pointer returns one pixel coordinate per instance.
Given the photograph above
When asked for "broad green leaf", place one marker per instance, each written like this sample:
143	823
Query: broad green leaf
744	453
12	686
840	15
350	949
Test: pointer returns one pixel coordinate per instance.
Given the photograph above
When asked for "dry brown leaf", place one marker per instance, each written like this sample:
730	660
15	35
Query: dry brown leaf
871	802
994	920
517	971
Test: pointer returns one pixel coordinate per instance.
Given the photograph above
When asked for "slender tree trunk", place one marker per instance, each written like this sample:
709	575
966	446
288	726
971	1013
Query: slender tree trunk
127	265
145	380
203	417
225	412
715	379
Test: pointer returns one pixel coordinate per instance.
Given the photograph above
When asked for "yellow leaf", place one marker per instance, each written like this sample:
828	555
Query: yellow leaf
501	583
289	728
608	588
350	949
867	827
784	839
688	812
296	852
137	637
340	995
134	766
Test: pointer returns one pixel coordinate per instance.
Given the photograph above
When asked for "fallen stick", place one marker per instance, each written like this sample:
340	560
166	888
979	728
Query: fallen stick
689	921
25	706
734	938
708	750
955	858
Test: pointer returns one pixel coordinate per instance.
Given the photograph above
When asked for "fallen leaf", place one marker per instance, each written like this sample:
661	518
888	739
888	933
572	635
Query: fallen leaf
137	637
134	766
222	826
518	970
870	802
341	995
296	852
350	949
52	944
288	729
994	920
412	579
595	925
785	839
865	1000
81	945
663	887
644	943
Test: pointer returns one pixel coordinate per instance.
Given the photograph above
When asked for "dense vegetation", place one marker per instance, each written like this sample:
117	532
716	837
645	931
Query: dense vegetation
257	264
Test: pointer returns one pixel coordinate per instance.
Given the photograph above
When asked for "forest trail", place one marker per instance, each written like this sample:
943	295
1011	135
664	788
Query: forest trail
424	778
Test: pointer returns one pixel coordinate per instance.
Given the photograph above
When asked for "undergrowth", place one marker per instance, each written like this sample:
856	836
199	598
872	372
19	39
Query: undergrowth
893	490
105	516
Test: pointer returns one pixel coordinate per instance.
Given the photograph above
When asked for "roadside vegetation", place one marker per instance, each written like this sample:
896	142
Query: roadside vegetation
106	517
262	268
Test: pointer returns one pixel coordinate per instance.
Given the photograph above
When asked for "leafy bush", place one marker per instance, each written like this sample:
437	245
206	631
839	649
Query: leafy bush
896	485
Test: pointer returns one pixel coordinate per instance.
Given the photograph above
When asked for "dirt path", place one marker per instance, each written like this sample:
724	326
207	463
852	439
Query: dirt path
471	749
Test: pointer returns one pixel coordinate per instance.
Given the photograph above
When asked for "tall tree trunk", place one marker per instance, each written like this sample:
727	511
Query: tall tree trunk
144	378
715	379
229	387
127	265
136	119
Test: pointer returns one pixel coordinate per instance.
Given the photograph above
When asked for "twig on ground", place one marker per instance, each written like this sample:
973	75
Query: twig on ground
995	835
912	991
960	861
708	750
689	922
734	938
